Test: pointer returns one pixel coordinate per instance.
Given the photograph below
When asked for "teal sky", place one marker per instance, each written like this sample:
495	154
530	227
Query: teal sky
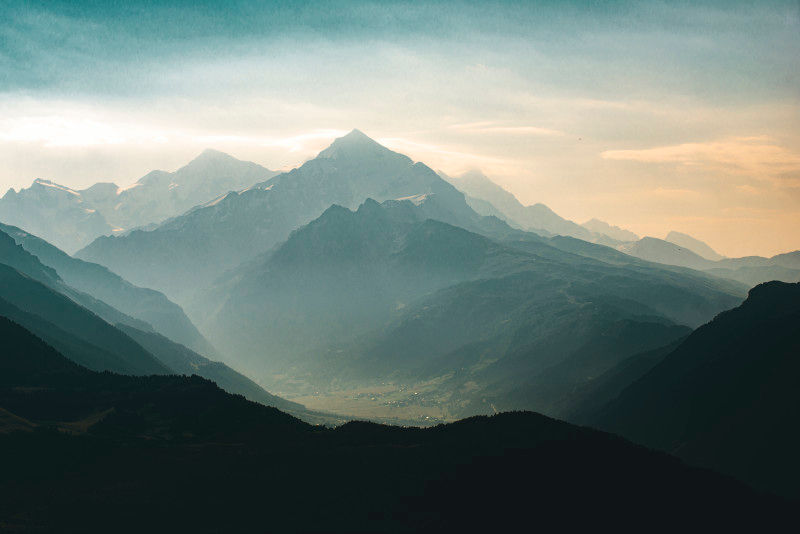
650	115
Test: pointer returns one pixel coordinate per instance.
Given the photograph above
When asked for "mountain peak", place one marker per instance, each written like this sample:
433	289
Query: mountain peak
774	297
54	186
212	154
356	144
355	133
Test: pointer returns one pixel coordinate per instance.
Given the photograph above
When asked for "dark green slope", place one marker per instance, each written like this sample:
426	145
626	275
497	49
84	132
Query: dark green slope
589	398
729	396
28	360
51	314
147	305
16	256
187	362
174	453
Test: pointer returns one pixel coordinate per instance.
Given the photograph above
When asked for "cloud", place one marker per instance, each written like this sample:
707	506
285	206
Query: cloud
676	194
747	189
66	131
489	127
756	156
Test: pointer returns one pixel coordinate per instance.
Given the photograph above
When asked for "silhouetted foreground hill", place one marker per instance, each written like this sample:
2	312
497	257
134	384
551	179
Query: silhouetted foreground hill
728	397
86	451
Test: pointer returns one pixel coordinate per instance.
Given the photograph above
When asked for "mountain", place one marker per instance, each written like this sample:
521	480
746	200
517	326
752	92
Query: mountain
75	331
150	306
536	218
728	396
751	270
695	245
171	453
385	293
58	213
341	274
71	219
190	251
660	251
159	195
614	232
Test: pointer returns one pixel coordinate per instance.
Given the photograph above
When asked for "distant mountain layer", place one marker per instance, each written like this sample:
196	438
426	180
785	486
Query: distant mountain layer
386	293
71	219
750	270
177	453
145	304
56	212
488	198
614	232
695	245
190	251
728	397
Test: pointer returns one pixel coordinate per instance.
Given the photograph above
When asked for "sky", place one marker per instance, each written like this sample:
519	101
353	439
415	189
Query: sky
653	116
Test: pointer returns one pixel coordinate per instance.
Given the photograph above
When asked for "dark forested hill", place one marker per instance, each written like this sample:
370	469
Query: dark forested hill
81	451
728	397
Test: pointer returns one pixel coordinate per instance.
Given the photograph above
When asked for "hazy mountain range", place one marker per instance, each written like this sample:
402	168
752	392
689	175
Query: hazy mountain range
365	283
106	208
191	251
749	270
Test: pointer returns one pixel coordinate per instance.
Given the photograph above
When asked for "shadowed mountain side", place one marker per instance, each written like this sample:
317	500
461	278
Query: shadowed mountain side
19	259
147	305
587	399
727	397
191	457
191	251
